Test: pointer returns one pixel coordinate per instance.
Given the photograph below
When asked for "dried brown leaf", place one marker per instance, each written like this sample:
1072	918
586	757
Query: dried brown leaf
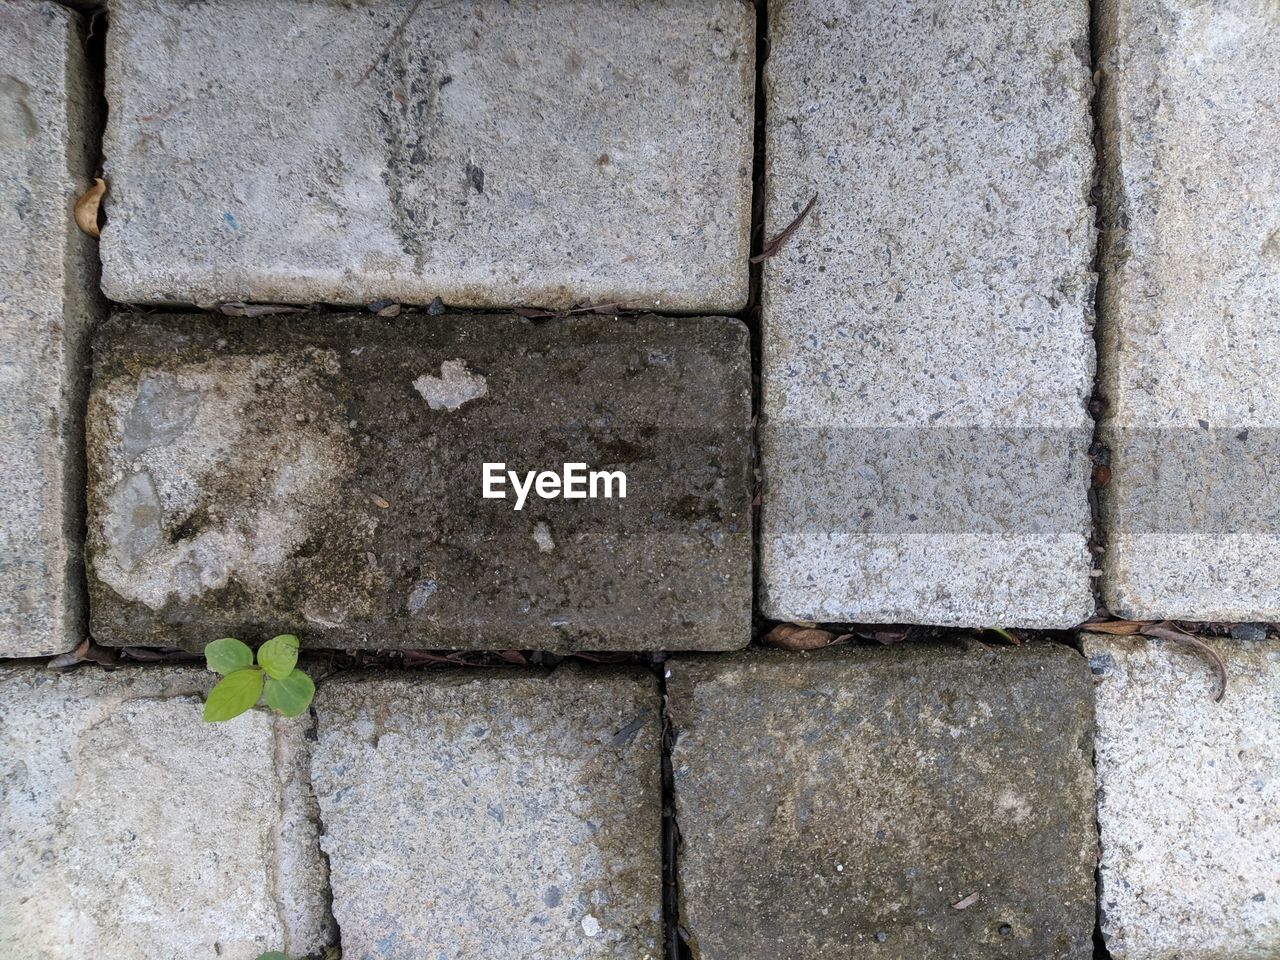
886	636
1117	628
88	206
66	661
1168	631
161	655
790	636
774	246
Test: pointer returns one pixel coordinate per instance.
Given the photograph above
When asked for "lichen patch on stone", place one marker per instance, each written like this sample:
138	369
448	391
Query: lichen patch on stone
455	386
193	499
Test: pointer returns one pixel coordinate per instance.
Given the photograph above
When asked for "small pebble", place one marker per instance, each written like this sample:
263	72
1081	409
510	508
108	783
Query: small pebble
1249	631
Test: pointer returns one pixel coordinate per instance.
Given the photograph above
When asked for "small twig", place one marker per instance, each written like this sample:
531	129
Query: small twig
395	34
258	309
1174	633
776	244
535	313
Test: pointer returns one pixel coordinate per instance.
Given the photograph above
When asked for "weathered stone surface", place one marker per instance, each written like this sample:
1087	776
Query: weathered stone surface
843	804
324	474
523	817
489	153
927	332
1188	799
1189	300
47	272
131	829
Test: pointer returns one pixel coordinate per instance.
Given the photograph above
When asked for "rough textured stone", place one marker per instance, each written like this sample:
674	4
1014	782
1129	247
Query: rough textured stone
927	332
490	153
843	804
524	821
1189	301
1188	799
131	829
324	474
47	272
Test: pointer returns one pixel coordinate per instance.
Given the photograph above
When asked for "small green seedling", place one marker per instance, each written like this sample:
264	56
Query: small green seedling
289	690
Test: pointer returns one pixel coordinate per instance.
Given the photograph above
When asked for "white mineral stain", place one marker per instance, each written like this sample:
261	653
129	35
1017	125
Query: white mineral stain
455	386
590	926
542	536
420	594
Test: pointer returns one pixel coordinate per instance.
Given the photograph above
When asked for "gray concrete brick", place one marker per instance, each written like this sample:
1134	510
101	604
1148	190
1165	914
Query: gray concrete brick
323	475
927	341
496	154
525	818
1188	799
132	829
1189	302
47	275
852	803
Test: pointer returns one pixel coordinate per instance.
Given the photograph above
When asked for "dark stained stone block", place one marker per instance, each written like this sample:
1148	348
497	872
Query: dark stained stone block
887	804
323	475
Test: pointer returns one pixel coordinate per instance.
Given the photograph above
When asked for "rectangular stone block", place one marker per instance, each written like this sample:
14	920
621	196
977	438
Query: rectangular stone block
525	818
47	275
907	802
1189	303
324	475
1188	799
489	153
927	344
132	829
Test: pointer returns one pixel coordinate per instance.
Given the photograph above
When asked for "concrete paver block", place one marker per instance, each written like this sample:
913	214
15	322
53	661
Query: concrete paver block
525	819
490	153
927	344
132	829
914	801
1188	799
1191	293
325	475
47	274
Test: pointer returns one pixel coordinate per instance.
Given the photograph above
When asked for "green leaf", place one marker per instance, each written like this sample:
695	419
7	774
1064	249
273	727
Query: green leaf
273	955
291	695
228	655
279	655
234	694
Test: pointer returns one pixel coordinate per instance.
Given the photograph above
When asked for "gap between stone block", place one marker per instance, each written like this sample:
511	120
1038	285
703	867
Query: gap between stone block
93	30
674	944
1098	451
1097	404
752	315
